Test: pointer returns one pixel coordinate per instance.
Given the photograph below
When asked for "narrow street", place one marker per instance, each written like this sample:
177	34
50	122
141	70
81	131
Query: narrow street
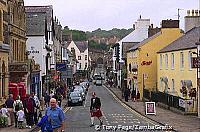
115	114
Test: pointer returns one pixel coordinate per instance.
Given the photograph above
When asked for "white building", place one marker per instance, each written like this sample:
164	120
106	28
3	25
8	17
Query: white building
40	39
139	34
80	48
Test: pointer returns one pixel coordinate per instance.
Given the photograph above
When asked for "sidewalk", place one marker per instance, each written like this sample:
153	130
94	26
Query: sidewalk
34	128
180	123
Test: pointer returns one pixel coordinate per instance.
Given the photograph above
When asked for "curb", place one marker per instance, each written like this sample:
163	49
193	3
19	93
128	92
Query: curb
137	110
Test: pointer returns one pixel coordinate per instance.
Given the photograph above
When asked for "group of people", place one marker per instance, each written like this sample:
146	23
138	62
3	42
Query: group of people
14	112
128	93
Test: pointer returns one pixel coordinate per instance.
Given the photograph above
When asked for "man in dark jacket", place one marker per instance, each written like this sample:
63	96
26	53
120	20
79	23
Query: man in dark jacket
95	109
9	103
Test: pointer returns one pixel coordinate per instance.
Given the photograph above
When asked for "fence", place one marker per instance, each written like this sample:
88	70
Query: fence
167	99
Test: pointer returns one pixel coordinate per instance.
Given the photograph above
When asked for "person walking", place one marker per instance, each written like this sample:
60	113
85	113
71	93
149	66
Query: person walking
30	107
37	103
95	109
5	115
133	95
9	104
17	106
56	116
126	94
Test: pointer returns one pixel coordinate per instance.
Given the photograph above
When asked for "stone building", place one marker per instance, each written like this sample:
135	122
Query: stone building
18	66
4	49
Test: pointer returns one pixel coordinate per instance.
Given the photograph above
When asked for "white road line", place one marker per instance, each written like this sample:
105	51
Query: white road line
128	108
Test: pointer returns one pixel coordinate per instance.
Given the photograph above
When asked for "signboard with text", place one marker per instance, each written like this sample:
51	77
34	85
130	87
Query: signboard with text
150	108
195	62
61	67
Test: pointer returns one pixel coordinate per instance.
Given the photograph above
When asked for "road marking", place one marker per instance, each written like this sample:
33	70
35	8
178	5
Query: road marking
128	108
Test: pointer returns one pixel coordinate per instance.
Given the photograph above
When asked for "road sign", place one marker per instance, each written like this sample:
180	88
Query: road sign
195	62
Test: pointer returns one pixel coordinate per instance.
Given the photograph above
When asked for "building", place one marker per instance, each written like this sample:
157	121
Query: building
143	64
4	50
39	25
139	34
175	73
192	19
80	48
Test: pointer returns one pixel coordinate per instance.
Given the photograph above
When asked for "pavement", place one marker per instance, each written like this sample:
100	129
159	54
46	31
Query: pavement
34	128
180	122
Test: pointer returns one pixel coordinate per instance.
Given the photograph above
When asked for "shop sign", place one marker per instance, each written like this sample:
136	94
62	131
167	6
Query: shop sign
146	63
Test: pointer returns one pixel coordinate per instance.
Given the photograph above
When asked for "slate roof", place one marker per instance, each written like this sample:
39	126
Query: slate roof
144	42
82	45
187	41
35	23
36	16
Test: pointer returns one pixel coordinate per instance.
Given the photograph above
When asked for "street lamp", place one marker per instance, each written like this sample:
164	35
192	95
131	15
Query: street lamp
198	74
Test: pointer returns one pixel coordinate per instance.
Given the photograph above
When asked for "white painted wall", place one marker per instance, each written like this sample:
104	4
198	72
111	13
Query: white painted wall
78	53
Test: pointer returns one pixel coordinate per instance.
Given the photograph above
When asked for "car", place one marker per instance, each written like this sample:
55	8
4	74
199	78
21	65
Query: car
81	90
75	98
98	81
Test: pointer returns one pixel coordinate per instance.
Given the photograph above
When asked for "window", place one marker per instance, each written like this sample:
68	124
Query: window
129	67
190	60
173	87
85	65
181	60
160	84
160	61
85	57
172	60
79	65
166	61
79	57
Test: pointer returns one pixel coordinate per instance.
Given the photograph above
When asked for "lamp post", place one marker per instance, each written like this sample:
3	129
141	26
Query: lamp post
198	75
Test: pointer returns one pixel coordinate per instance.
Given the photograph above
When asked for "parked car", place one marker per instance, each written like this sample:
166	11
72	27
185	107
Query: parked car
80	89
75	98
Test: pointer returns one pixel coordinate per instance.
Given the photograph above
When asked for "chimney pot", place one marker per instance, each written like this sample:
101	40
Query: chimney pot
192	12
188	12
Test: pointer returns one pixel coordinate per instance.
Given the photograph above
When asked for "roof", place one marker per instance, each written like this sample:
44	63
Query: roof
35	23
144	41
136	35
36	10
187	41
82	45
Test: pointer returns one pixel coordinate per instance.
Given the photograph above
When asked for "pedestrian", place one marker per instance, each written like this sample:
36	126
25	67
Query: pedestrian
5	115
9	104
133	95
17	106
46	99
20	118
126	94
29	110
37	103
56	116
95	109
138	95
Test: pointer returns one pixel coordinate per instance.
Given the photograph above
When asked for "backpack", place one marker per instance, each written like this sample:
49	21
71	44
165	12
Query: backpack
45	124
17	106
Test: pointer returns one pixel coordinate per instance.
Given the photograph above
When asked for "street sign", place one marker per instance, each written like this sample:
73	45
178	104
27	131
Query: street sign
150	108
61	67
195	62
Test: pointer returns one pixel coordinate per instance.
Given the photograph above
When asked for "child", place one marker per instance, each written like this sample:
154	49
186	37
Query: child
20	118
5	115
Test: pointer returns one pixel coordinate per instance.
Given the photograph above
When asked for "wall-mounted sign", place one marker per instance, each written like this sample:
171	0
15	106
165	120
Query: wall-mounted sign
150	108
61	67
146	63
33	51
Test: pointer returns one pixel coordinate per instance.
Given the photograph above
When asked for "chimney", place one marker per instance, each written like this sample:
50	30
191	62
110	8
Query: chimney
188	12
196	13
170	23
192	12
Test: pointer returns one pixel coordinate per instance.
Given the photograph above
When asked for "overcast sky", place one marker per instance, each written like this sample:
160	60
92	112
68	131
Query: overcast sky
88	15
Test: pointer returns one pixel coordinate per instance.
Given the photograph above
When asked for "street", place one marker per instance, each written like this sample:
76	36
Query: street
115	114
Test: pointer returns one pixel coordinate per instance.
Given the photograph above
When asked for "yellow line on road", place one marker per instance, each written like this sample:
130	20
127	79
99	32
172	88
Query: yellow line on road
128	108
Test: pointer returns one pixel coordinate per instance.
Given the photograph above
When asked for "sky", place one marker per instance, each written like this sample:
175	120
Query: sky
89	15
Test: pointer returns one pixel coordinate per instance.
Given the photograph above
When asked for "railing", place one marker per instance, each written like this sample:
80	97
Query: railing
167	99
